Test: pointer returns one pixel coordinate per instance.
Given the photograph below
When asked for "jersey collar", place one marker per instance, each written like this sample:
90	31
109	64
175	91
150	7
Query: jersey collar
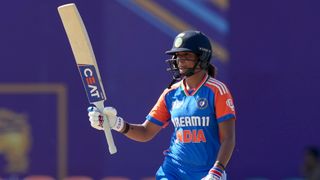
196	89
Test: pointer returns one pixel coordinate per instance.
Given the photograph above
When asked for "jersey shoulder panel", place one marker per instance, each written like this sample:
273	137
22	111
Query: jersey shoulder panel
217	86
223	100
160	114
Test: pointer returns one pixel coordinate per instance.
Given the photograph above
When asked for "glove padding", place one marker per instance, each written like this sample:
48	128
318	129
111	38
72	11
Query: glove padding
216	173
96	118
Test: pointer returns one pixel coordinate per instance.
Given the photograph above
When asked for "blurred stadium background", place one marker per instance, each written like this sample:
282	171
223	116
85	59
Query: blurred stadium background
267	52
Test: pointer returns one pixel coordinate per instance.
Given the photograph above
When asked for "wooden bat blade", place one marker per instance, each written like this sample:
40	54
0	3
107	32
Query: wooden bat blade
86	62
82	51
77	34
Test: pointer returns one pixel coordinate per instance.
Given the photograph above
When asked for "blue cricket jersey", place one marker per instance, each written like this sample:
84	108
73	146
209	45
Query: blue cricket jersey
195	115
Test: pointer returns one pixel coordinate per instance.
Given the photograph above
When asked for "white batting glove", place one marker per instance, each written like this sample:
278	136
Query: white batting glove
210	177
216	174
96	118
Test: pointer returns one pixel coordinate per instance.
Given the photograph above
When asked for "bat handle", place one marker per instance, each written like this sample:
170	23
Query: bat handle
107	129
107	133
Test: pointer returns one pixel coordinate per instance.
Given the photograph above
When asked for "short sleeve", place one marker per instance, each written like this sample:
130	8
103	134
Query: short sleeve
224	106
223	101
159	114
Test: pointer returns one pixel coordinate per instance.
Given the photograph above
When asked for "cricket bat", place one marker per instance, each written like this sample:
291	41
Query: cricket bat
86	62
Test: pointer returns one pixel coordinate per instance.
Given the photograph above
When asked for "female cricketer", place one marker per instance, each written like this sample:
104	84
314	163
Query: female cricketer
199	106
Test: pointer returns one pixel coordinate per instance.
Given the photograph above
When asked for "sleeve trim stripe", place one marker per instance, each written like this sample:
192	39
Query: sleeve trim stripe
226	117
155	121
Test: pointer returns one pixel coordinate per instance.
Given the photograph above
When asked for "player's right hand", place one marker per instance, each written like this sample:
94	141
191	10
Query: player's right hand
96	118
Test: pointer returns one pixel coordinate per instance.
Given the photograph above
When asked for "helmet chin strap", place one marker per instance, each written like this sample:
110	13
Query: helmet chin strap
191	71
188	73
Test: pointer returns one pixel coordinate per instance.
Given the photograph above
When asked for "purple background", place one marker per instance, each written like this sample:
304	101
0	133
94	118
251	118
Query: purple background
273	73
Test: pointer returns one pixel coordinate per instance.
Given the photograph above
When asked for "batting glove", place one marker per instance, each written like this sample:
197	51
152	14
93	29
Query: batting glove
96	118
215	173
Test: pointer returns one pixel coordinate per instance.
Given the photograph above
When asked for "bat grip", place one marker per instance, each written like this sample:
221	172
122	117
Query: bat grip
107	132
107	129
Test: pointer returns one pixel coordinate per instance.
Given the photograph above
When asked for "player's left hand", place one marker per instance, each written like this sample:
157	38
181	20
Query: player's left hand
210	177
215	173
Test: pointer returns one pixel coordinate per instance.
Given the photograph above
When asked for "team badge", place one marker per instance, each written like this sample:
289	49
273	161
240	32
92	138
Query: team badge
179	40
230	104
202	103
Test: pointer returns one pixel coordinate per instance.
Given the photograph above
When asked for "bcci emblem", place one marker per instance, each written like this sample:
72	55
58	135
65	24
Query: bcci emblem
179	40
202	103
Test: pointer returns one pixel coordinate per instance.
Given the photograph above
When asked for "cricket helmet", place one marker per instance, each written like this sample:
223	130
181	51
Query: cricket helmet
190	41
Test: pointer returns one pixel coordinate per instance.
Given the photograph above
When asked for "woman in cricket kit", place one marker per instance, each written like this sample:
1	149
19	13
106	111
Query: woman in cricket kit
199	106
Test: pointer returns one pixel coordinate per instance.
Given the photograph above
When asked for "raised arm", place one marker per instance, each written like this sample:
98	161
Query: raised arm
142	132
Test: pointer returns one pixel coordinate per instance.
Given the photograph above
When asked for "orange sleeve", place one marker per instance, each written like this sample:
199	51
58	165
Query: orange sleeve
223	102
159	114
224	106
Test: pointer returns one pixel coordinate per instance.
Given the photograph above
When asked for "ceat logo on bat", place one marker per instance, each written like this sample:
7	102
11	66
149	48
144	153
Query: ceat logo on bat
91	82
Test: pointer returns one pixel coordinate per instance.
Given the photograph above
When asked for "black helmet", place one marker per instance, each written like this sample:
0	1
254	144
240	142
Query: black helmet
193	41
190	41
